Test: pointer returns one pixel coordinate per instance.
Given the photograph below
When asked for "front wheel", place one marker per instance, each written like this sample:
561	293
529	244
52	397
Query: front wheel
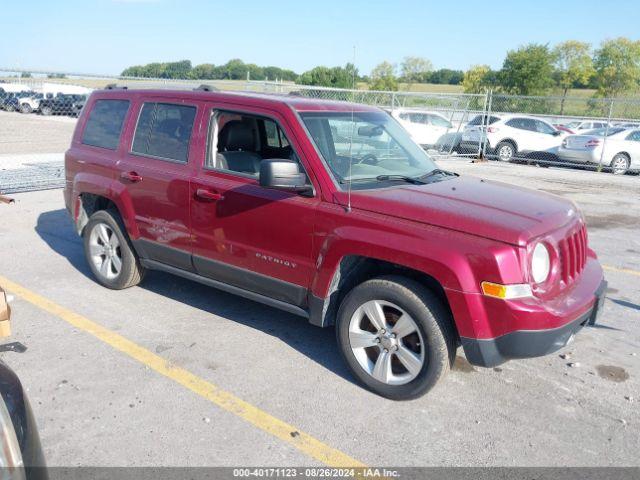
396	337
620	164
46	111
25	108
109	252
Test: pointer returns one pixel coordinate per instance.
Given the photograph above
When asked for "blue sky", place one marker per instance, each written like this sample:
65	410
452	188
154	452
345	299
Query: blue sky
105	36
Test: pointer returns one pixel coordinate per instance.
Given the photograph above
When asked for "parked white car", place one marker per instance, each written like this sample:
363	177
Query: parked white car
579	126
620	151
30	103
425	127
511	135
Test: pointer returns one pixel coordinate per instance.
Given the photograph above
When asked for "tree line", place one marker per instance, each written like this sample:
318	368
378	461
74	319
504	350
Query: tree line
234	69
612	69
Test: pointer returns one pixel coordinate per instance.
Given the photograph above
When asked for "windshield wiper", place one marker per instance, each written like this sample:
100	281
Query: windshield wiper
438	171
404	178
384	178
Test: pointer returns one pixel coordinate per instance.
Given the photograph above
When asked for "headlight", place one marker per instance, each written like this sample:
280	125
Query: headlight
540	263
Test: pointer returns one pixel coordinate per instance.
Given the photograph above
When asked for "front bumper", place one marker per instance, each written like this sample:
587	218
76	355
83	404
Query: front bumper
529	343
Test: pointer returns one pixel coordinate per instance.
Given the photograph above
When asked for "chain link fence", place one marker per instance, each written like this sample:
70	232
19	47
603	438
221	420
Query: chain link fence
574	132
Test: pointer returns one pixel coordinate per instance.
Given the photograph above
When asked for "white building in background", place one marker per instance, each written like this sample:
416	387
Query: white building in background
15	87
49	89
52	89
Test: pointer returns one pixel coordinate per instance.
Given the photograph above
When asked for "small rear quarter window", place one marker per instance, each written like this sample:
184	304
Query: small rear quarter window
104	124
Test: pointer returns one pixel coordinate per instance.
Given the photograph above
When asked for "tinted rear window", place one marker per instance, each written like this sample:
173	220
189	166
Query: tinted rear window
104	124
164	131
482	120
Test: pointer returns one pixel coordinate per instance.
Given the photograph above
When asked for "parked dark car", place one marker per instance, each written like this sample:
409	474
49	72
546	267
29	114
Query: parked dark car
21	454
78	105
20	439
9	101
61	104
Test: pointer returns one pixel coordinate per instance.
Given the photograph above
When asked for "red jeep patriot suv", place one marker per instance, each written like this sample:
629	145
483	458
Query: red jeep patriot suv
330	211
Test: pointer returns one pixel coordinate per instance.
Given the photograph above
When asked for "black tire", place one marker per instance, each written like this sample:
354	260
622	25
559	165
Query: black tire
620	159
430	316
131	271
10	108
504	147
46	111
25	108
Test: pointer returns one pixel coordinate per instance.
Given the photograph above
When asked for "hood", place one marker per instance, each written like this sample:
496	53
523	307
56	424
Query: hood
489	209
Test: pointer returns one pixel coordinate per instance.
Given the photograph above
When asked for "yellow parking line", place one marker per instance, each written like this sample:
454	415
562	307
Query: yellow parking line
621	270
223	399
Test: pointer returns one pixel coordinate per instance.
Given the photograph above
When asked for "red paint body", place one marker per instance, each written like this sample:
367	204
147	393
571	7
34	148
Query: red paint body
460	232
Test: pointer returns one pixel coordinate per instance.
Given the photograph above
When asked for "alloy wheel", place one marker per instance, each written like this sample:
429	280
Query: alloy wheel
505	153
619	165
105	252
386	342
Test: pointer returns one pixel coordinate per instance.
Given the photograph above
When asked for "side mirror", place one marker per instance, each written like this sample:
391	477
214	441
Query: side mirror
280	174
557	133
370	131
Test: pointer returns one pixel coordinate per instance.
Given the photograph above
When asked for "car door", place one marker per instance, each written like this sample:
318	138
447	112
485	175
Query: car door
548	138
155	172
245	235
438	127
415	124
632	145
521	130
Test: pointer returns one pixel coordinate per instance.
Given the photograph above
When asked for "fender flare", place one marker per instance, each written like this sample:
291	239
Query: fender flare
114	191
336	261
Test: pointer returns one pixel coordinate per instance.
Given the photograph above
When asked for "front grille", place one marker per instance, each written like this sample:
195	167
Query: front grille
573	254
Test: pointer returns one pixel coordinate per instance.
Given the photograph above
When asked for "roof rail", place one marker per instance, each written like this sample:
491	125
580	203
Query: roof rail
114	86
207	88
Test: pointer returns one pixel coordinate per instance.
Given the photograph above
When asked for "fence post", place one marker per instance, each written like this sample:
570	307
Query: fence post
482	147
606	133
393	100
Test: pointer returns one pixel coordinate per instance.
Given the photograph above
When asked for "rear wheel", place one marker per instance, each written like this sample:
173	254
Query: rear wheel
505	151
396	337
26	108
620	164
109	252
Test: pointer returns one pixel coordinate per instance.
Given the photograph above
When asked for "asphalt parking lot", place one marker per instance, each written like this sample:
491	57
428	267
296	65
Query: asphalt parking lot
175	373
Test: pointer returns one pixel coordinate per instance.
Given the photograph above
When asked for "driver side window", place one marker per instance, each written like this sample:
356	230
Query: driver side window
238	142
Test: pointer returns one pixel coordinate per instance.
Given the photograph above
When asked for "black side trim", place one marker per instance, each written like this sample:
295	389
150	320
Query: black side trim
318	307
148	250
252	281
153	265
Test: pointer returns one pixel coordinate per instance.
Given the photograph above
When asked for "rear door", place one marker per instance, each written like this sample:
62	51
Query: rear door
245	235
155	171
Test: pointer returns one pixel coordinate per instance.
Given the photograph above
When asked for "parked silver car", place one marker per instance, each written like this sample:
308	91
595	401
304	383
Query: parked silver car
620	150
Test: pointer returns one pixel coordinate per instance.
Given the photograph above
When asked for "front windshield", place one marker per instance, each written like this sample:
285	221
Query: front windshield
366	146
572	124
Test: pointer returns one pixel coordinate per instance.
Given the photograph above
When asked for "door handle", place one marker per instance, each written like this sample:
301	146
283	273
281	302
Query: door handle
208	195
133	177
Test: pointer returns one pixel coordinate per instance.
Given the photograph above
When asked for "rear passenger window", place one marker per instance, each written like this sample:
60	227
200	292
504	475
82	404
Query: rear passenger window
104	124
164	131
